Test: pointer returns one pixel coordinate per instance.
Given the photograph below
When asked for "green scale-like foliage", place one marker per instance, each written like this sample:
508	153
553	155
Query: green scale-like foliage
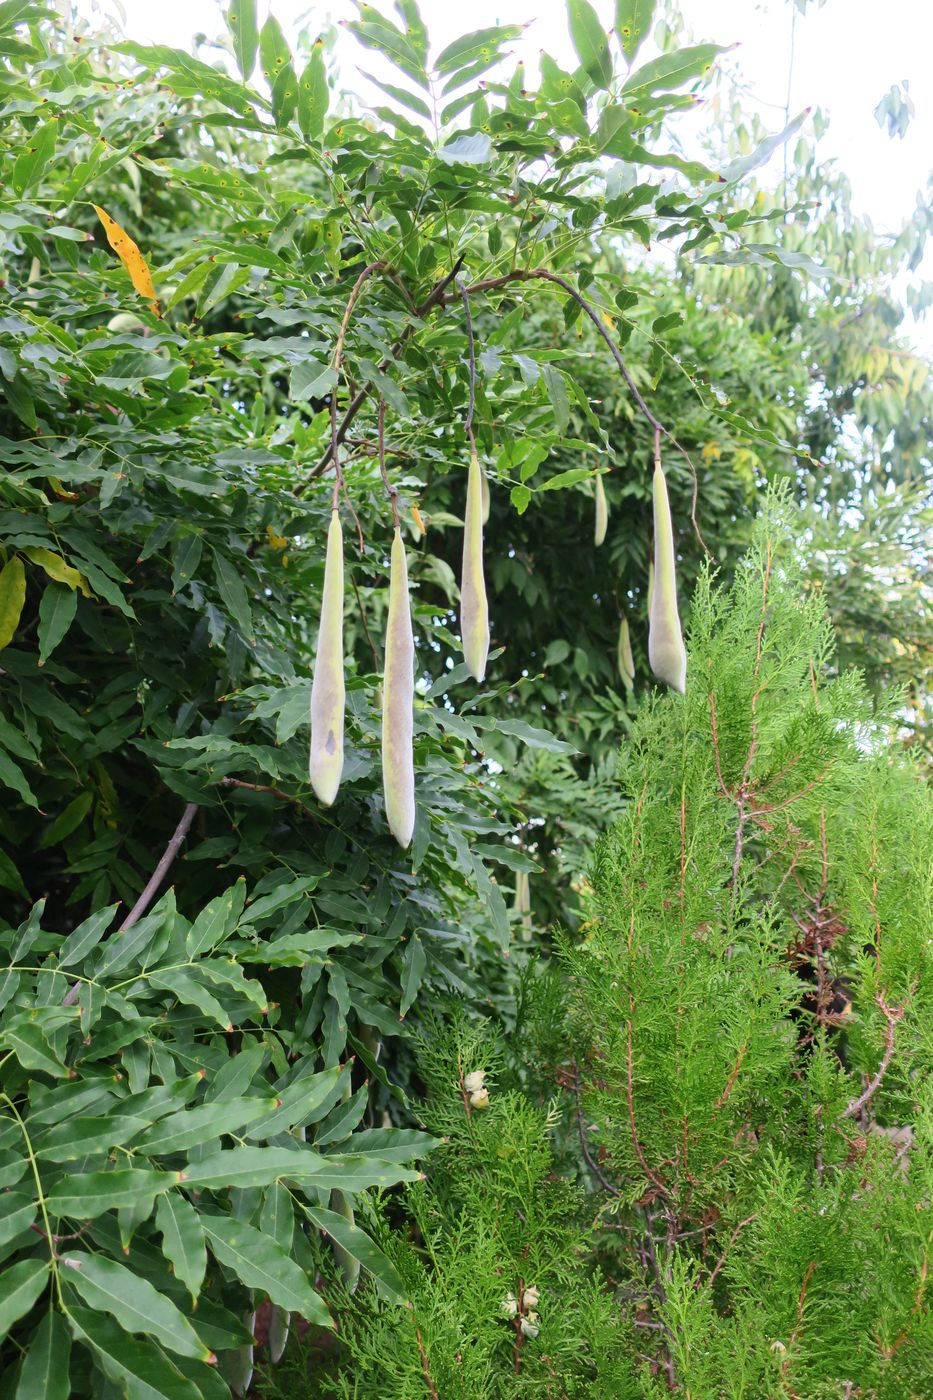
772	844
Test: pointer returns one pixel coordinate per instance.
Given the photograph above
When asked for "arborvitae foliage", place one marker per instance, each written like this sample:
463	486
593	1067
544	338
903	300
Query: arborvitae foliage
751	1012
744	1052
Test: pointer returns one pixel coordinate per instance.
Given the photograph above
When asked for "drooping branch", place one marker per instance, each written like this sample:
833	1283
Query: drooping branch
145	899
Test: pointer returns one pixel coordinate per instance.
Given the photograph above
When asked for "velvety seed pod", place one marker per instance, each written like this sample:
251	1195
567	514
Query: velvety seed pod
474	609
666	650
398	691
602	513
484	482
625	658
327	689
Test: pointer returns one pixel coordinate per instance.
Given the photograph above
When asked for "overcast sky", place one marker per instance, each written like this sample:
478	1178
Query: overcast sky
847	54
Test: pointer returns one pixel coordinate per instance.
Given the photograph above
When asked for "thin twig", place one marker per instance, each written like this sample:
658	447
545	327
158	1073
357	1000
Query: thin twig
148	894
892	1014
732	1239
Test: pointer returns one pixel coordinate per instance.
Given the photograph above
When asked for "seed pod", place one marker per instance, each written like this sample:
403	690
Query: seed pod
626	660
650	584
666	650
474	609
398	768
349	1267
522	905
484	483
278	1333
327	689
602	512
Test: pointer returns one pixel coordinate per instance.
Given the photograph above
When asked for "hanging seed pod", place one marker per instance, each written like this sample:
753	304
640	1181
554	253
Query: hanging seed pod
650	584
666	650
398	769
474	609
484	483
602	512
522	904
625	658
278	1332
327	689
349	1267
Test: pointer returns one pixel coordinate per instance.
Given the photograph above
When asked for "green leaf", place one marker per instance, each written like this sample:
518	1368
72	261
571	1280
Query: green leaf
12	776
56	614
359	1246
313	94
139	1367
182	1239
17	1215
590	42
69	819
40	148
233	592
259	1262
22	1284
46	1364
475	149
82	1137
131	1299
82	1196
216	920
280	898
56	568
633	20
241	21
299	1103
670	70
191	1126
374	31
407	99
31	1048
12	598
531	735
86	936
557	392
310	379
187	557
483	45
187	989
253	1166
413	964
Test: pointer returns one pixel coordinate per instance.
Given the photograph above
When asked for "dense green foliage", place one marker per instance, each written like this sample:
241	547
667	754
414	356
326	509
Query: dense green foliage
194	1097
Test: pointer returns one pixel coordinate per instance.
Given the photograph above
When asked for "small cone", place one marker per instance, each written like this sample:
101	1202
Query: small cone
328	697
602	513
666	650
398	691
474	608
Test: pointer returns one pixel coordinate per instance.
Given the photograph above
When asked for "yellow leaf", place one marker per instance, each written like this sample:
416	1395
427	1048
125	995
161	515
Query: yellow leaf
416	516
130	256
711	452
56	568
276	541
12	598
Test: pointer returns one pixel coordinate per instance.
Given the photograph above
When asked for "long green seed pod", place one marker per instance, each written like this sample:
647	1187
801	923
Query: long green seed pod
666	650
602	512
522	905
398	699
237	1363
650	584
327	689
487	502
625	658
474	609
349	1267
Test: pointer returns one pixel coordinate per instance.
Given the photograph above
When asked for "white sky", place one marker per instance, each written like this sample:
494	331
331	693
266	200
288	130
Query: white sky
847	55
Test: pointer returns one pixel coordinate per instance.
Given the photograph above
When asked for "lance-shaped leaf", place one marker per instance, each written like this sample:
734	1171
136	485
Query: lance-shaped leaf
130	256
625	659
602	513
241	21
260	1262
398	698
474	608
328	695
45	1367
666	650
132	1300
12	598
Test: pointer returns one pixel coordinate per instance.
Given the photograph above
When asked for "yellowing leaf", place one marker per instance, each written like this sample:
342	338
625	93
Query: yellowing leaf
12	598
130	256
276	541
56	568
419	521
711	452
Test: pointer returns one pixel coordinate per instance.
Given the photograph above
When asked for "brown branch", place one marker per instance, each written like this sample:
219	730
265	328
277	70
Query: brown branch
426	1371
730	1082
584	1141
353	298
261	787
145	899
630	1097
732	1239
892	1014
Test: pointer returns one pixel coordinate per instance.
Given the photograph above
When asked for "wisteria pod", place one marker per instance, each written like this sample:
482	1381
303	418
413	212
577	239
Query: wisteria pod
279	1321
625	658
484	482
474	608
398	698
328	695
666	650
602	513
650	584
